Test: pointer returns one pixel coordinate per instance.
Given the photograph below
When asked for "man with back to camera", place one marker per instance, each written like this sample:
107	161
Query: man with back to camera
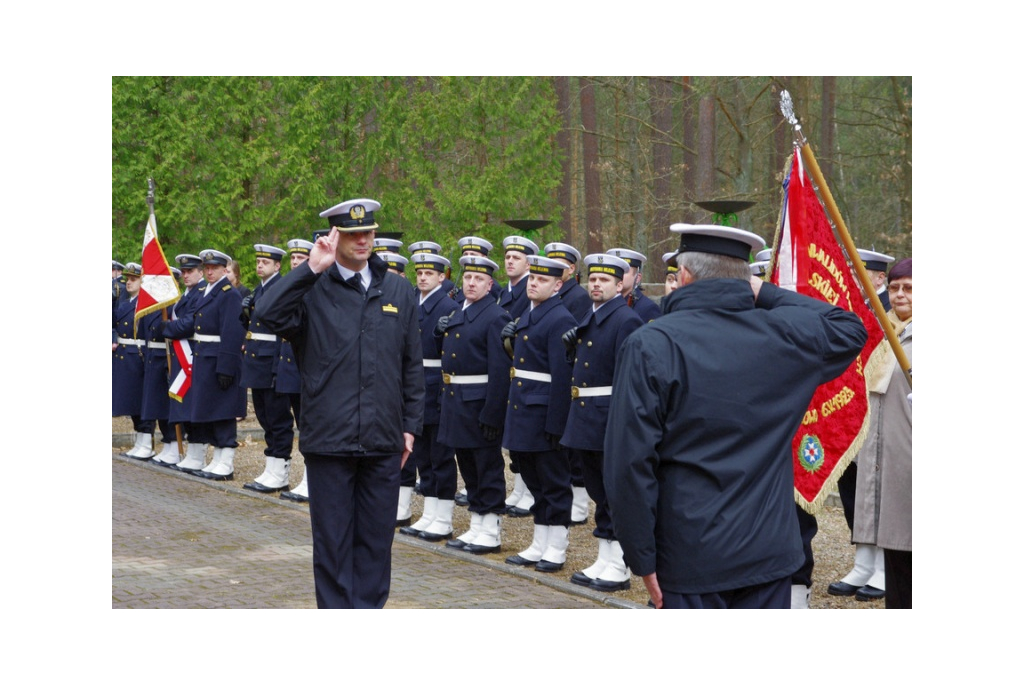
705	403
353	327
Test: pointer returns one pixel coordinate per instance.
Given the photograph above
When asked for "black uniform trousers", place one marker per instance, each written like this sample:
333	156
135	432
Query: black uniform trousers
223	433
547	474
808	529
898	576
771	595
436	464
847	486
352	502
273	411
593	479
483	471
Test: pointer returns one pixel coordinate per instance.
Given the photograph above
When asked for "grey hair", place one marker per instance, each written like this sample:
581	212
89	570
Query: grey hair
703	265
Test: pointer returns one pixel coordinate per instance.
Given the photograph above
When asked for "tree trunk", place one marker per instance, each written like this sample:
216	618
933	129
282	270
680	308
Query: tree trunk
706	186
689	149
661	117
591	171
826	155
563	140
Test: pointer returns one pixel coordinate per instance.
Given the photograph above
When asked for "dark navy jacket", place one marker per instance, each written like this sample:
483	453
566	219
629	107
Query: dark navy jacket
128	363
575	298
260	356
436	306
217	314
537	408
181	326
698	463
598	340
515	301
471	346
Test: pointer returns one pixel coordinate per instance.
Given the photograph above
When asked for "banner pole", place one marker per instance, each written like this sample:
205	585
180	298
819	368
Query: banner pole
844	235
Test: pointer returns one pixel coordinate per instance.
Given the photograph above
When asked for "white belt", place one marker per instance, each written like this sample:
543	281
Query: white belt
600	391
432	363
266	337
130	341
452	379
530	375
158	345
198	337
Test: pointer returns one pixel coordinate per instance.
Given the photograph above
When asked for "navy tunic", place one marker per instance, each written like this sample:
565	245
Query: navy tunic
217	314
128	362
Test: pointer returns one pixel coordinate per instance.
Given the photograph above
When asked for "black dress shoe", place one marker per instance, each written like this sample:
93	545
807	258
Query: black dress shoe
609	585
461	500
581	578
176	467
259	487
577	523
480	549
403	522
519	561
164	464
143	458
455	544
516	512
294	497
842	589
869	594
434	537
409	530
548	566
214	476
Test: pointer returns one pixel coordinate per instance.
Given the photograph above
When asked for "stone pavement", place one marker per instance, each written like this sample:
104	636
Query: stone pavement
181	542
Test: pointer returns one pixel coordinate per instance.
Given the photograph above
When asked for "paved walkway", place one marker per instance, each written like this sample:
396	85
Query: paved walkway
180	542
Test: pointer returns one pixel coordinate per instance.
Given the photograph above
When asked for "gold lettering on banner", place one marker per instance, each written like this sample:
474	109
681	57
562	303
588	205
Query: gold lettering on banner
837	401
810	417
824	287
825	260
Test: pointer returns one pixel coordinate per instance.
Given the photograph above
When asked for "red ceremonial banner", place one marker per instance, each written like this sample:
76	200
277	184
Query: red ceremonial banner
159	289
808	259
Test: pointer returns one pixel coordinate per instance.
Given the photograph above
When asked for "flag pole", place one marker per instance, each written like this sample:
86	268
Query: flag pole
786	106
151	201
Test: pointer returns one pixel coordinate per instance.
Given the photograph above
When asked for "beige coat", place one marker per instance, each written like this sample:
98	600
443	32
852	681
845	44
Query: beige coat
882	513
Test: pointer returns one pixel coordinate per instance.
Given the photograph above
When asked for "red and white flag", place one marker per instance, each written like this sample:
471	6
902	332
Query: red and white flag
809	260
183	381
159	289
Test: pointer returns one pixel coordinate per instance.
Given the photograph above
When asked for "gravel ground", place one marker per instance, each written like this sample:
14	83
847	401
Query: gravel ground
833	553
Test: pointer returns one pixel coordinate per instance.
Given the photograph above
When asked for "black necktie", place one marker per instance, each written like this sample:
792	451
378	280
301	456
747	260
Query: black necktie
357	282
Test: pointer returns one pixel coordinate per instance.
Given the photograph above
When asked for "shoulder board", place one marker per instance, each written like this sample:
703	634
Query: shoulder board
226	288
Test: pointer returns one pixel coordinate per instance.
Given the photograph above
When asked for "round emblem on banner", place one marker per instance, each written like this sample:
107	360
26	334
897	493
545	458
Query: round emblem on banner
812	454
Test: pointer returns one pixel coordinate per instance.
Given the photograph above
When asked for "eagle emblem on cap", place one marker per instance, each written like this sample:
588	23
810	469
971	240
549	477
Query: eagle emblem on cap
357	212
600	259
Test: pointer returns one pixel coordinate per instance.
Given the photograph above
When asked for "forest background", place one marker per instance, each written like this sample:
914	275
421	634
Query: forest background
611	161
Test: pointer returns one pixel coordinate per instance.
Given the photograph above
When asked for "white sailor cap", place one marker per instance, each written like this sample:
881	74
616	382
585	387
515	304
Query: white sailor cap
394	261
424	247
352	216
606	264
543	266
428	260
721	240
188	261
518	243
759	268
670	261
176	271
114	264
387	245
299	246
268	252
471	243
875	261
562	251
132	269
764	255
472	262
214	257
632	257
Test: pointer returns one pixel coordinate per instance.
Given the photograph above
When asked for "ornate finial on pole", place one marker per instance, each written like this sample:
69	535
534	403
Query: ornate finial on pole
786	106
150	196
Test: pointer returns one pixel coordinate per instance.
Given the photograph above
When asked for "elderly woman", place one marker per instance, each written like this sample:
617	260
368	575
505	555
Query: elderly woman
883	509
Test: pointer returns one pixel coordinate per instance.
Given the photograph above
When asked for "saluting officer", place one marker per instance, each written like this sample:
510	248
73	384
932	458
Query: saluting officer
474	397
631	284
538	406
289	382
128	365
434	460
595	344
216	367
259	362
